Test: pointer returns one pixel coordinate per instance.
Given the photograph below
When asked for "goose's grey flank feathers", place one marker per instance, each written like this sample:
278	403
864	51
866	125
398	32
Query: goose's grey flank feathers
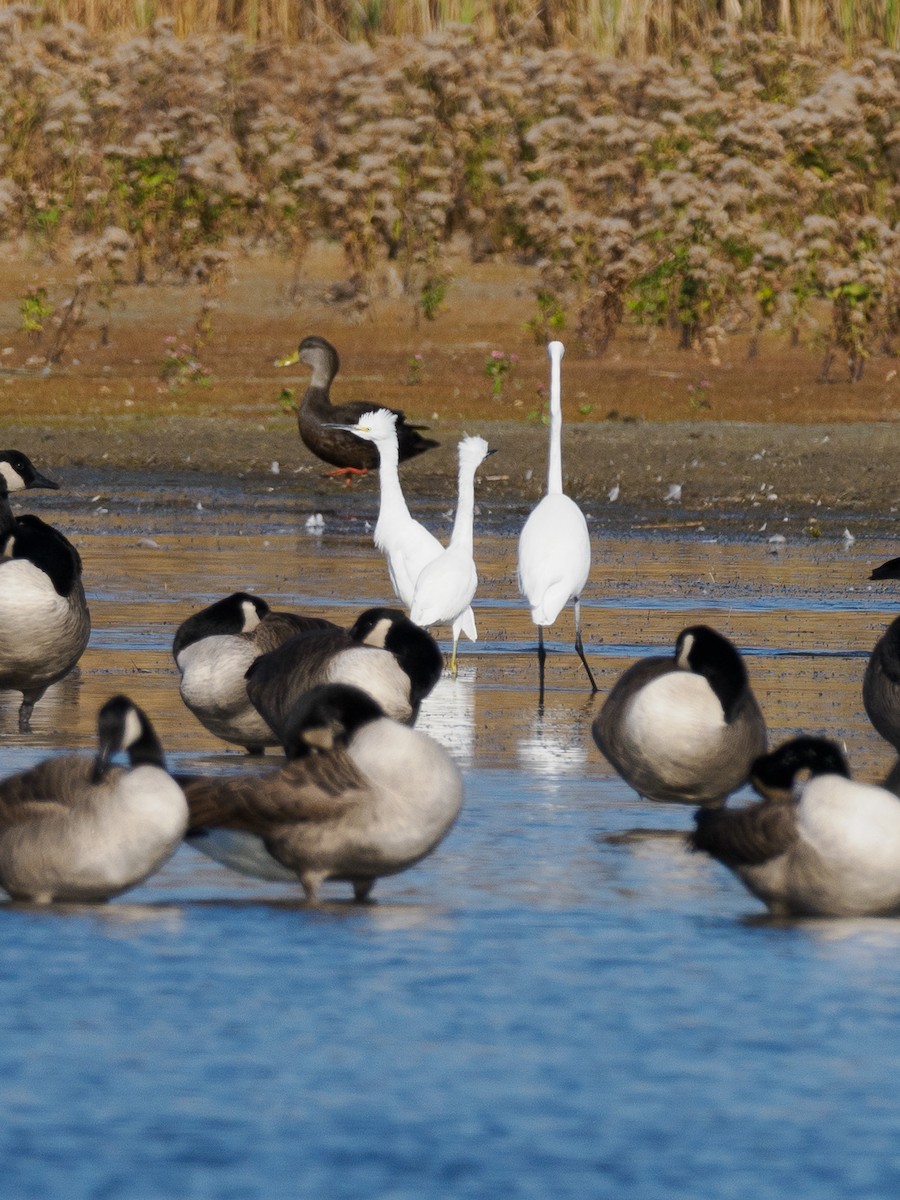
74	828
44	619
214	648
383	653
361	796
684	728
818	844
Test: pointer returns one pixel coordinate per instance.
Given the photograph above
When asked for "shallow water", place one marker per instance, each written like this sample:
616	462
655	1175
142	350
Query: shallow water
535	1010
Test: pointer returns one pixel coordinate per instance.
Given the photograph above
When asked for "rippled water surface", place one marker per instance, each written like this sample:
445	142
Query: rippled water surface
540	1009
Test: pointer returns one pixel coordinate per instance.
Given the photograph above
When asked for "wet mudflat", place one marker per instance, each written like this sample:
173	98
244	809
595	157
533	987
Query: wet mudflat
541	1008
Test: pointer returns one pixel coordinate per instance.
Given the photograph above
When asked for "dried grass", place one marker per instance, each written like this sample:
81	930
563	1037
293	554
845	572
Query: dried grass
629	28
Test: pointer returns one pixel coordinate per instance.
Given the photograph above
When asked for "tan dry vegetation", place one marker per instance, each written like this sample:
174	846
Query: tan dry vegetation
179	212
624	27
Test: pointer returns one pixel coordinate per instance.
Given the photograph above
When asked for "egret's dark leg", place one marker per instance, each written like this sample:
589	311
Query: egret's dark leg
542	658
579	646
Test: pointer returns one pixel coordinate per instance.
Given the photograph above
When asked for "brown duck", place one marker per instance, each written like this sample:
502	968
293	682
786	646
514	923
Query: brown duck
317	416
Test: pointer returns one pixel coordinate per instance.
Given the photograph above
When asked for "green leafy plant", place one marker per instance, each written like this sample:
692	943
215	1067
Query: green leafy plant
497	367
34	309
180	366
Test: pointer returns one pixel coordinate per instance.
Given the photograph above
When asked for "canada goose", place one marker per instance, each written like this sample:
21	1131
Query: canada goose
361	796
17	472
887	570
317	416
446	586
213	649
684	728
80	829
818	843
44	619
881	685
383	653
554	557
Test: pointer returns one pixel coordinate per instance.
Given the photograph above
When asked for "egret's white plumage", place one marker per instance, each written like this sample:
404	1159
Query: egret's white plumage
554	545
446	586
406	544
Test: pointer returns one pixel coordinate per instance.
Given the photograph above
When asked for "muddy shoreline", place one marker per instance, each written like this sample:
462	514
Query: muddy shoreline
632	421
740	473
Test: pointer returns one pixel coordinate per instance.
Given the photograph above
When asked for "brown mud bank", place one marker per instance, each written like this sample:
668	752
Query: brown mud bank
757	435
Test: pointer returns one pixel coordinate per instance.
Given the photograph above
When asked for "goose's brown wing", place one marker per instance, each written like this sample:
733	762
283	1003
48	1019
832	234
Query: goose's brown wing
55	783
277	627
315	788
746	836
277	680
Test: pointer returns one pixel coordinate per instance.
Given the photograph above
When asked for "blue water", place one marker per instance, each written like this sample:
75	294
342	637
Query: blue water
535	1011
532	1012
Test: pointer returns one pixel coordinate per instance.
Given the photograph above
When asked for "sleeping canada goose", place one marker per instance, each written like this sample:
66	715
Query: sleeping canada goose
213	650
684	728
17	472
76	828
881	685
818	843
383	653
887	570
446	586
361	796
554	554
317	416
44	618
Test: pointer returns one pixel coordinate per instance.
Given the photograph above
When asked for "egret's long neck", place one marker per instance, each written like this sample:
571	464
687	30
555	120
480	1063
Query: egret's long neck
461	536
391	498
554	460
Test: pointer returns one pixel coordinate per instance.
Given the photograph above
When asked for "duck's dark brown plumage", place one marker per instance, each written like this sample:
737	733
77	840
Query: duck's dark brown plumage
316	413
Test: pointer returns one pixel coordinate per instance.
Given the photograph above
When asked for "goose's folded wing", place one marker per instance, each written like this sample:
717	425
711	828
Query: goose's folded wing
746	836
275	629
276	680
53	784
310	789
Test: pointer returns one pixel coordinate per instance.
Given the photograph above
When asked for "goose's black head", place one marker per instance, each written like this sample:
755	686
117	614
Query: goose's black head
17	472
705	652
777	774
121	725
414	648
238	613
34	540
326	718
